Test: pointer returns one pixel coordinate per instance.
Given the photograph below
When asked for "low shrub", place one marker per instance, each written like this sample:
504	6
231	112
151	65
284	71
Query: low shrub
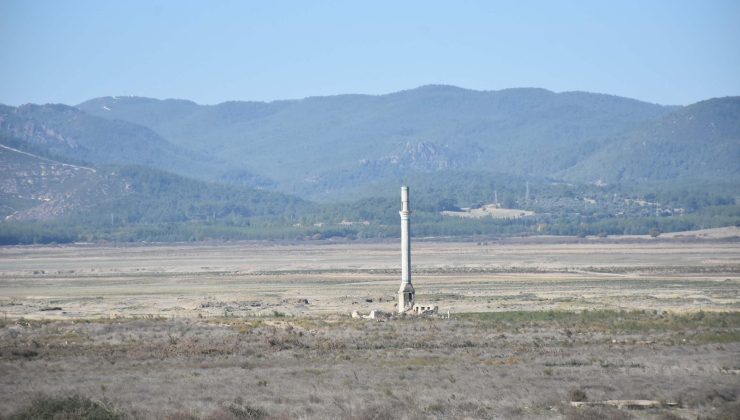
597	413
247	412
66	408
577	395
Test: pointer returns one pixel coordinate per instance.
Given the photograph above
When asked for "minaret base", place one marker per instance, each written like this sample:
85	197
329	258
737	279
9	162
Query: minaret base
406	295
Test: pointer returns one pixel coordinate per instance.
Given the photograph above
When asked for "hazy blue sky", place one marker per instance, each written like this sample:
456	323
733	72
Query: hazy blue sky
670	52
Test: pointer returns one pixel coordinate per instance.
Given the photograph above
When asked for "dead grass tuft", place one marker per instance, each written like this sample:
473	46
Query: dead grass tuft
477	366
577	395
597	413
66	408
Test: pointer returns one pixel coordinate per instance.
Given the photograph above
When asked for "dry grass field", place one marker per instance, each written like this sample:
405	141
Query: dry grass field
262	330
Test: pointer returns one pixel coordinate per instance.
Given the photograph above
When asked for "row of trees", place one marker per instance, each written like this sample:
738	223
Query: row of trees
165	207
38	233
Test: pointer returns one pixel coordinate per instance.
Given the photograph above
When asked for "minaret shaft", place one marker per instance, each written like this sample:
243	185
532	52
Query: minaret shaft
406	292
405	251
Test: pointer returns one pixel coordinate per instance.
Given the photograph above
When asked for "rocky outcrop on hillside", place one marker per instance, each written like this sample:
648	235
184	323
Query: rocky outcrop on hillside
36	188
15	123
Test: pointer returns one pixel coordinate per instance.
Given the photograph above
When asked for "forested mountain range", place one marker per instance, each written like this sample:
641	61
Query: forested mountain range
45	189
74	135
326	147
578	159
316	145
697	142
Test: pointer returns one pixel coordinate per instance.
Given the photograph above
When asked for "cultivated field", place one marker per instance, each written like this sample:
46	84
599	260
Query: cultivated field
263	330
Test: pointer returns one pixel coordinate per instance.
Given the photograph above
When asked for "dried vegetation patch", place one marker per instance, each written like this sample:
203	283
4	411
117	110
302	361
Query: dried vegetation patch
476	365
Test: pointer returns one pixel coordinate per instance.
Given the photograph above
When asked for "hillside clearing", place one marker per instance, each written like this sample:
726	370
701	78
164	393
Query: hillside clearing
489	210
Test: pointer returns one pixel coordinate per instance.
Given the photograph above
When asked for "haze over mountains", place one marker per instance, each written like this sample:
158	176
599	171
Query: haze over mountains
348	147
301	145
699	141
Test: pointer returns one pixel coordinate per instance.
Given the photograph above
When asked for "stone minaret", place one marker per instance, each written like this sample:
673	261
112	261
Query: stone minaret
406	292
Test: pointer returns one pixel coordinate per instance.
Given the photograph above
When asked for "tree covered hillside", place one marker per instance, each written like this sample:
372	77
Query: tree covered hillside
73	134
46	200
131	169
302	144
698	142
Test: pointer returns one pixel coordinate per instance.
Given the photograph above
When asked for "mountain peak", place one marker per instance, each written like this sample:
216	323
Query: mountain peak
56	108
130	100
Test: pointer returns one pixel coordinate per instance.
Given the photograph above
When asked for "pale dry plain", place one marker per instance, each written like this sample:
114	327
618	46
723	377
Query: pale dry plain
258	278
266	326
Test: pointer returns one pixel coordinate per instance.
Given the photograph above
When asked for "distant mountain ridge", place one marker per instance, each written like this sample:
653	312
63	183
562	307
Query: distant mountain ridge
67	130
523	131
698	142
36	188
140	169
72	133
326	147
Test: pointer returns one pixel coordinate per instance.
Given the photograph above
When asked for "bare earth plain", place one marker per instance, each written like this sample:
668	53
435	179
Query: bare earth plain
262	330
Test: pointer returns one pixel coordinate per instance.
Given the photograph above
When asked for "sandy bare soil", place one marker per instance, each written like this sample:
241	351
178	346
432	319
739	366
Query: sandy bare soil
260	278
490	210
